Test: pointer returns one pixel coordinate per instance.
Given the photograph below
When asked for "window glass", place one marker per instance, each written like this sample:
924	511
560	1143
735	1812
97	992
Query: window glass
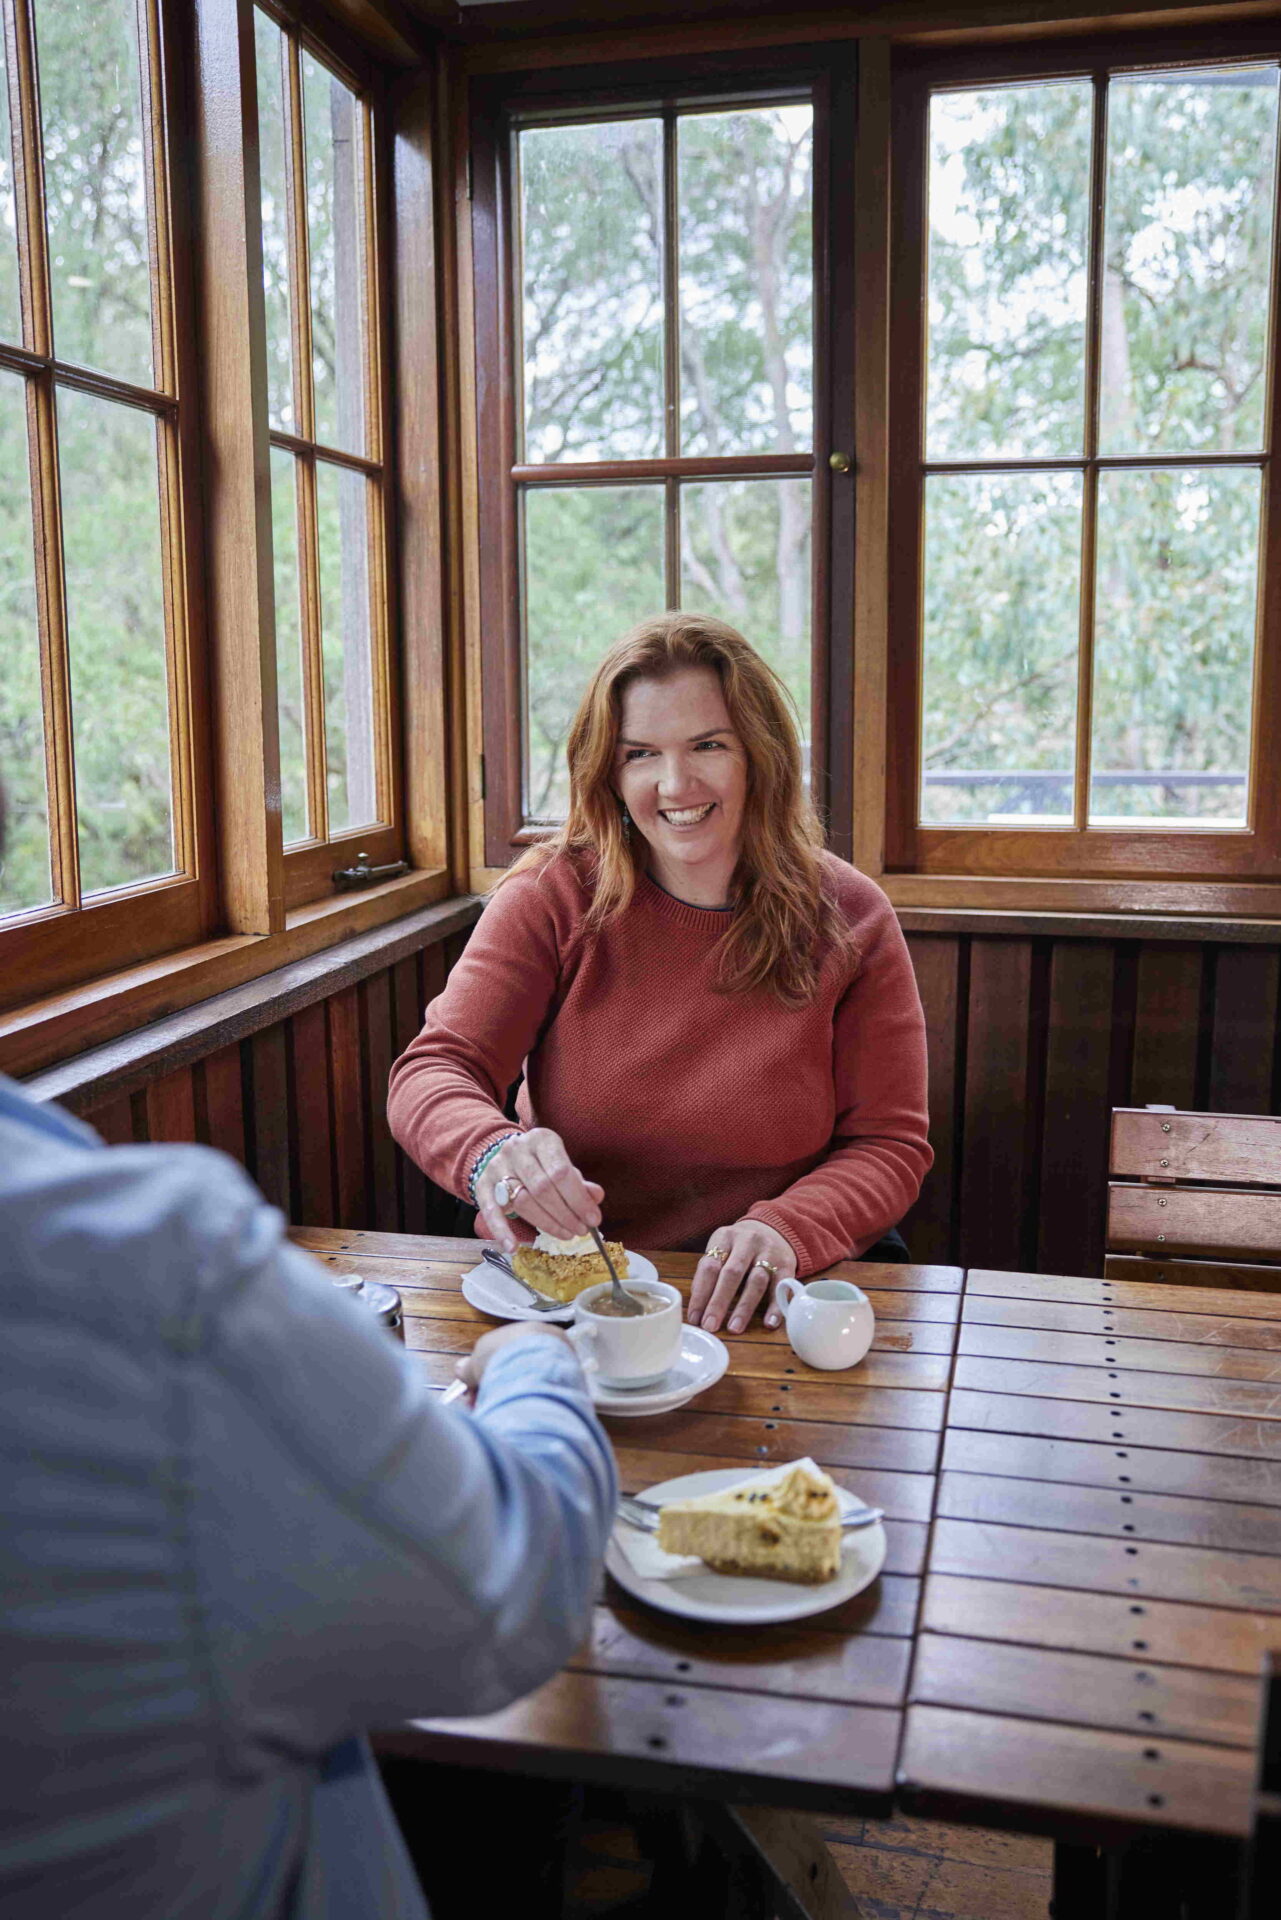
1187	261
746	280
10	303
1174	645
591	236
290	681
270	47
116	640
91	116
342	527
745	557
998	722
1009	209
25	879
336	255
593	567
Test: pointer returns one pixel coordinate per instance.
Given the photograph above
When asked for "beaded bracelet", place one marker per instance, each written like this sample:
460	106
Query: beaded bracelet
483	1160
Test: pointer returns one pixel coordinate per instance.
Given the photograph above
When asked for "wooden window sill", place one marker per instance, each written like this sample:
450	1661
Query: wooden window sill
1163	901
35	1036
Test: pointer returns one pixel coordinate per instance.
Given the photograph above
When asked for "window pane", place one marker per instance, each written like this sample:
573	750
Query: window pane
343	528
116	632
746	280
10	310
91	115
25	879
1009	181
1174	645
1002	589
745	557
1188	260
336	244
270	46
593	567
290	685
591	237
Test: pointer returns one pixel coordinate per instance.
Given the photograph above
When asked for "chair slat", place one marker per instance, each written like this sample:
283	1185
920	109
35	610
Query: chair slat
1244	1148
1212	1221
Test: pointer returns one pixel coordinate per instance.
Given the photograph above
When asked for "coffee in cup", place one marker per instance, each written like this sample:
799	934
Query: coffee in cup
633	1350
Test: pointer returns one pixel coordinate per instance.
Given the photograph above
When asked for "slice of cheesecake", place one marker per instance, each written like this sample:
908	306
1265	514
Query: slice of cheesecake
788	1529
564	1268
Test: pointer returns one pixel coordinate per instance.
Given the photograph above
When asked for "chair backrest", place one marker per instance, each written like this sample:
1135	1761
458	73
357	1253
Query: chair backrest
1188	1188
1261	1882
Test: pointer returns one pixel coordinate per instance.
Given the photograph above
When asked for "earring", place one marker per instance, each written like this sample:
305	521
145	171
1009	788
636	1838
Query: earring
627	824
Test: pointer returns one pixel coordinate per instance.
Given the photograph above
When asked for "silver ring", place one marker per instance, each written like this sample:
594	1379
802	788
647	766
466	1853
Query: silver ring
768	1265
506	1191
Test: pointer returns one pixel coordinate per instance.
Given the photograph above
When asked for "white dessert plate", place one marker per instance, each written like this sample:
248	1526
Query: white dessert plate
735	1601
489	1290
699	1365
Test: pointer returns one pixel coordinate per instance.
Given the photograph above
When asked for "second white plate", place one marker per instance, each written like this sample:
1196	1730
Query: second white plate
490	1291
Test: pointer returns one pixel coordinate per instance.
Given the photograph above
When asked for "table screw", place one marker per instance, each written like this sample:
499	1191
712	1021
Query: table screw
1165	1128
1165	1163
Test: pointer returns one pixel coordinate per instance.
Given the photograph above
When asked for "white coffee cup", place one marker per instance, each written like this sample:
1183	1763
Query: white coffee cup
628	1352
829	1322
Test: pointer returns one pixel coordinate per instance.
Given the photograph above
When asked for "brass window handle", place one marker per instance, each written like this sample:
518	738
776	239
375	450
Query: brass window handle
347	879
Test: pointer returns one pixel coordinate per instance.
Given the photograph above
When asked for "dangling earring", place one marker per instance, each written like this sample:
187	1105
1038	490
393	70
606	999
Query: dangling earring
627	824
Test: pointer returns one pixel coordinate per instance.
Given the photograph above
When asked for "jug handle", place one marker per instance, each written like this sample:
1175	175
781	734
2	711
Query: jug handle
784	1294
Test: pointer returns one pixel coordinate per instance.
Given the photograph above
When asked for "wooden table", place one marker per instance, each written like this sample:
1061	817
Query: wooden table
809	1715
1087	1474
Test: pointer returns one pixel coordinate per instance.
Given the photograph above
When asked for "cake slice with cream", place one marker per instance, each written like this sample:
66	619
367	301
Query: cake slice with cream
786	1529
563	1268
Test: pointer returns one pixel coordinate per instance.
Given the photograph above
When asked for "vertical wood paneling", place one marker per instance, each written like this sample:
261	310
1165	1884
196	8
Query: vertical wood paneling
171	1107
407	1014
995	1165
270	1075
220	1107
346	1081
433	972
311	1130
1167	1026
1244	1029
1075	1117
114	1122
376	1035
929	1229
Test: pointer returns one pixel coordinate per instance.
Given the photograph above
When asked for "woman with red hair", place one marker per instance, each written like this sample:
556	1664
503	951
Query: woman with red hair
722	1042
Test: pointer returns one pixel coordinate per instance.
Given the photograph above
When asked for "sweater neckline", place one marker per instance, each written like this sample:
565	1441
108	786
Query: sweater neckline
680	912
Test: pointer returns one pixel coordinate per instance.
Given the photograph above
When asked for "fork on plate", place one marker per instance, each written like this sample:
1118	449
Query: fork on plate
541	1302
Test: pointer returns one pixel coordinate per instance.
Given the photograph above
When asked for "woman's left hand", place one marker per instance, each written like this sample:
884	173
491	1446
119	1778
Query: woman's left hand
718	1279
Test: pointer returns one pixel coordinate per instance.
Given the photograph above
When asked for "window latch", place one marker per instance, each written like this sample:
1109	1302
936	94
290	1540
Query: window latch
347	879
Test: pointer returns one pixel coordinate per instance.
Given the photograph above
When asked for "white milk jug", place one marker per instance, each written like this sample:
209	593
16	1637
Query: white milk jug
829	1322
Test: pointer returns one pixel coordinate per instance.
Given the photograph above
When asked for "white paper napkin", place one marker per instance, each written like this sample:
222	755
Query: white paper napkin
648	1558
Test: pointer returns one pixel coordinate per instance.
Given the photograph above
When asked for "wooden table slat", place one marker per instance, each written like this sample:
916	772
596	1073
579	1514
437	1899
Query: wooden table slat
1101	1421
1177	1392
688	1430
954	1760
1038	1557
1060	1316
1199	1476
1121	1514
1087	1690
1146	1295
1228	1640
1116	1350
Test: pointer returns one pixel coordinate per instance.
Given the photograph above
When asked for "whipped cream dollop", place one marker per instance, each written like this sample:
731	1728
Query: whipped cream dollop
581	1243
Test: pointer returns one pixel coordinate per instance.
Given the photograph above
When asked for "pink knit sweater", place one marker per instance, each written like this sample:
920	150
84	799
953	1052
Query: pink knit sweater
692	1108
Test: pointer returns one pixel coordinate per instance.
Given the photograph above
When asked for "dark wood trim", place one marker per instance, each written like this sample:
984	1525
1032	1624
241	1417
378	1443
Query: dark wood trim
836	302
746	466
123	1066
1189	930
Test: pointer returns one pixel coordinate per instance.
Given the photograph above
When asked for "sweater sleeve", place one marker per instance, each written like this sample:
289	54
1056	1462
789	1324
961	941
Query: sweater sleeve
447	1089
880	1151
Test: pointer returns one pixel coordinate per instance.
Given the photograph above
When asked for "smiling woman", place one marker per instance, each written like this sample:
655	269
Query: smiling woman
721	1039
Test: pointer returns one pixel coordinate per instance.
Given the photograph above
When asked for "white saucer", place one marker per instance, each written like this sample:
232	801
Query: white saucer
489	1290
699	1365
734	1601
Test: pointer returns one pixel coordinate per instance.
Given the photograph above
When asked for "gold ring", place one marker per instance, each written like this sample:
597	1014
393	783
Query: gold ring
768	1265
717	1253
506	1191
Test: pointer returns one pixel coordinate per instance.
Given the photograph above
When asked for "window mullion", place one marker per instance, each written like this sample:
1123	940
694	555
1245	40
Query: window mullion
1090	485
33	258
671	359
299	275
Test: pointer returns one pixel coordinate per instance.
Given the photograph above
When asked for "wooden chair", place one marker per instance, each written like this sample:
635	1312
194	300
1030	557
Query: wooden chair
1194	1199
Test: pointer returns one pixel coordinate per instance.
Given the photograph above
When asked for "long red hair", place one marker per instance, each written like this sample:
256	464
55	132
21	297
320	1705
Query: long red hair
784	920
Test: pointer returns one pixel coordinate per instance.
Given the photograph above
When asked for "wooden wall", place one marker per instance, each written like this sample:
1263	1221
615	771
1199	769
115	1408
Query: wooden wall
1033	1040
303	1103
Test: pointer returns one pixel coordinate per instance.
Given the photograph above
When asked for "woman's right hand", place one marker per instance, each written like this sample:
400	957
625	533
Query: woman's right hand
553	1196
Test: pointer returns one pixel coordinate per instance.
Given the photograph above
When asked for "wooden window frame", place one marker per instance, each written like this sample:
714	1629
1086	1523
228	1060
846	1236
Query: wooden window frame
130	923
1197	870
826	73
